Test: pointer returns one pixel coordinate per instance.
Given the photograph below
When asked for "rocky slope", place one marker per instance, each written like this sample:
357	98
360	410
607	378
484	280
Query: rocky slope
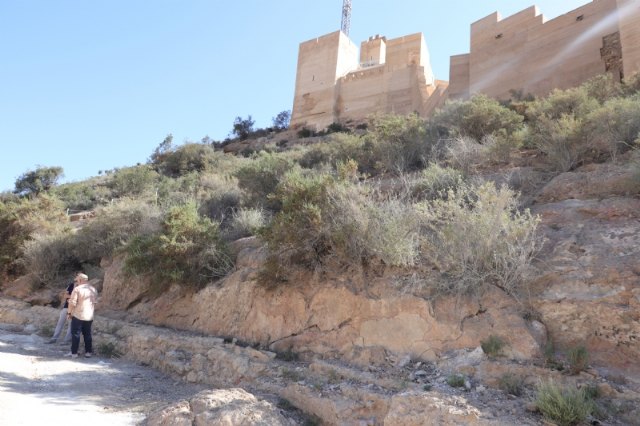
373	352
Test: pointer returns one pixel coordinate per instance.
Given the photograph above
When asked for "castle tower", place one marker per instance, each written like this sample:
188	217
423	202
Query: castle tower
321	63
373	51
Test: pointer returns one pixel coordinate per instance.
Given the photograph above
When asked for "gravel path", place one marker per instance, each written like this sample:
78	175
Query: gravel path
39	385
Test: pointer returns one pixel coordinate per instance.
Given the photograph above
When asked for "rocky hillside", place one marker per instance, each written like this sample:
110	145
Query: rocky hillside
389	275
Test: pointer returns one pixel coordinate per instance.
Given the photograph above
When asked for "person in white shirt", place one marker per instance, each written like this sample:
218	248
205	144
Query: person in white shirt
81	307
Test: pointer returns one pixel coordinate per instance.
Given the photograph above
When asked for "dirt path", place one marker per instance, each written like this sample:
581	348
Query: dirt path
39	385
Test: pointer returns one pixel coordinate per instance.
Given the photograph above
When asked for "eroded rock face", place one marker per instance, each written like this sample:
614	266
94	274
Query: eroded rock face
590	291
228	407
327	316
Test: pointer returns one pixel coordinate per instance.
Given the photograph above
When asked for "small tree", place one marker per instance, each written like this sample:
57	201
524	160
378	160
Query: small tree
281	121
163	150
38	180
243	127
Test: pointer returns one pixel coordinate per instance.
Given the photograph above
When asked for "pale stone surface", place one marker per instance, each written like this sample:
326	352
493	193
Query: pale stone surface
226	407
421	409
392	76
529	53
588	293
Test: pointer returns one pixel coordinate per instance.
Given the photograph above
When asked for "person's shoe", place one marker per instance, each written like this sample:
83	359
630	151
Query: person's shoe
87	355
72	355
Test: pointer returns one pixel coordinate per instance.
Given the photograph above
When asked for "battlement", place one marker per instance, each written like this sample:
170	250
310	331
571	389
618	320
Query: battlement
524	52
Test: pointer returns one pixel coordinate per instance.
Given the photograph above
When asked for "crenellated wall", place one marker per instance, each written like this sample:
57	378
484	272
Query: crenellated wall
528	53
523	53
392	76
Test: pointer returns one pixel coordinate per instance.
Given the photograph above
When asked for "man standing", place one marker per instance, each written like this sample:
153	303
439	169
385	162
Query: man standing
81	307
63	317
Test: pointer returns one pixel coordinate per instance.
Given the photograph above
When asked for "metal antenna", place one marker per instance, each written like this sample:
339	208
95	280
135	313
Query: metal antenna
346	16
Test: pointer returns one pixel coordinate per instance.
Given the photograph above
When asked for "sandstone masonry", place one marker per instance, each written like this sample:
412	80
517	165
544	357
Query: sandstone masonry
525	53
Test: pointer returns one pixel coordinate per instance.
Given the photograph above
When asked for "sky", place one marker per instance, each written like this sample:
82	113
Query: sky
94	85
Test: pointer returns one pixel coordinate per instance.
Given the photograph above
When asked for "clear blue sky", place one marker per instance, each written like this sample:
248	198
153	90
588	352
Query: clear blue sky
93	85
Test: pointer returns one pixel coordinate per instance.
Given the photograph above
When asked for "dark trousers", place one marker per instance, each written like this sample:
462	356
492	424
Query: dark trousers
78	326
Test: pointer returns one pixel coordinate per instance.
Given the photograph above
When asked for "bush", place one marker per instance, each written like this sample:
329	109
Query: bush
476	118
36	181
614	127
113	227
396	143
219	197
281	121
578	358
455	380
242	128
511	384
133	181
464	154
325	217
20	220
436	182
58	254
188	250
555	127
50	256
79	196
339	147
563	406
247	222
477	237
492	346
188	158
260	177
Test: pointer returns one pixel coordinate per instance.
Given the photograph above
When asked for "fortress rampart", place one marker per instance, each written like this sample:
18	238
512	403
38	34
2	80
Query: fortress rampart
524	53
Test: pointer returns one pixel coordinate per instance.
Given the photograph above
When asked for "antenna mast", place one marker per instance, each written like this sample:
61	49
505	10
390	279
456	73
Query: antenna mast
346	16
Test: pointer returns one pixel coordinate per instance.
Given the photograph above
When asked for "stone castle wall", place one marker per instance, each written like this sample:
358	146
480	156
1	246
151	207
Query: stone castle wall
527	53
524	53
335	84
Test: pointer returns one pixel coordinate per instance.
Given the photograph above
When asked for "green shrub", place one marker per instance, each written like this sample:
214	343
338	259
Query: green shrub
78	196
248	221
578	358
493	345
476	118
435	182
563	406
455	380
555	127
133	181
325	217
338	147
477	237
337	128
219	197
20	220
464	154
602	88
260	177
560	140
396	143
188	158
188	250
511	384
33	182
614	127
113	227
50	256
